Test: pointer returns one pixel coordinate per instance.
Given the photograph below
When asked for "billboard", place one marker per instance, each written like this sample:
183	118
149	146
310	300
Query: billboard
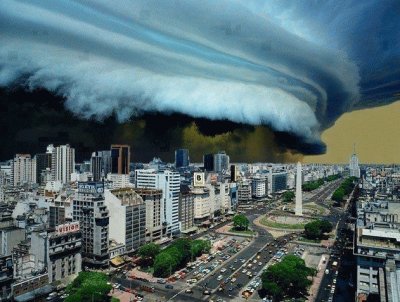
90	187
199	179
67	228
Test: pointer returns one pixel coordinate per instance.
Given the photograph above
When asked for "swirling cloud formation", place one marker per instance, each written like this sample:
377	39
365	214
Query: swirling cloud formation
295	66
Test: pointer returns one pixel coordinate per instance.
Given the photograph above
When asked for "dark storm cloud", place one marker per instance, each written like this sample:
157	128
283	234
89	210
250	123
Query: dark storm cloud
293	65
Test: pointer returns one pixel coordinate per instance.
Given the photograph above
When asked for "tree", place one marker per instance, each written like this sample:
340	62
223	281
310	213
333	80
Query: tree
240	222
288	196
315	229
338	195
89	286
289	278
164	264
149	251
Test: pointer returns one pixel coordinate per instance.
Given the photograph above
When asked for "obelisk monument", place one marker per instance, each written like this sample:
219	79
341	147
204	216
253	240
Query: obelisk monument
298	211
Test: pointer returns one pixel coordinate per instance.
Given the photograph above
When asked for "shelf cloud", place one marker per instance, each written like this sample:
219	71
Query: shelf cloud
291	65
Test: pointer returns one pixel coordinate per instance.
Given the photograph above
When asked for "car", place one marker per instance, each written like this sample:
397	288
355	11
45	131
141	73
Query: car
189	291
206	293
161	281
254	261
260	263
244	271
219	278
233	280
223	270
169	286
230	288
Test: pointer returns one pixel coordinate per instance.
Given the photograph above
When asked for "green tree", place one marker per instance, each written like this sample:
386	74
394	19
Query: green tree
338	195
288	196
89	286
287	279
240	222
164	264
149	251
315	229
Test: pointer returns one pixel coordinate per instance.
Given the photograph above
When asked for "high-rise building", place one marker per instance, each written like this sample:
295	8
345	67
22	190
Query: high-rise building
23	170
90	210
120	159
234	173
208	162
221	162
277	181
43	162
153	200
62	163
127	218
181	158
56	216
169	183
259	186
100	164
353	165
186	208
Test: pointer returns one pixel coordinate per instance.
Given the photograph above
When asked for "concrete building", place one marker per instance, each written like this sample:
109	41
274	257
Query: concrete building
120	159
43	164
298	210
127	218
181	158
153	200
100	164
90	210
62	163
202	205
259	186
6	278
58	250
119	181
56	216
377	249
186	208
10	237
169	183
244	191
23	170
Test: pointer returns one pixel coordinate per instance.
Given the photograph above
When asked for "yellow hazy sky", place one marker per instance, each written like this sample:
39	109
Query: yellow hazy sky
375	131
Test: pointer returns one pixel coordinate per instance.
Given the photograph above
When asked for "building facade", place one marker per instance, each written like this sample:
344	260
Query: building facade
90	210
23	170
62	163
186	208
181	158
120	159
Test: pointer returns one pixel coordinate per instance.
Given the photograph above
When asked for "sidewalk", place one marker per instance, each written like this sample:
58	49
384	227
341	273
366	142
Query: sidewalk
313	291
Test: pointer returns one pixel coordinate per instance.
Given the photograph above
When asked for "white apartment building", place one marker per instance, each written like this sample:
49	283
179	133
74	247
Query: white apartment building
169	183
259	186
23	170
62	163
202	205
119	181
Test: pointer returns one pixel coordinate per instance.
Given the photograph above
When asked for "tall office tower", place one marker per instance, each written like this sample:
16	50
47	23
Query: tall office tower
186	208
23	170
221	162
299	197
96	166
120	159
169	183
43	162
353	165
62	163
208	162
277	181
234	173
90	210
181	158
56	216
259	186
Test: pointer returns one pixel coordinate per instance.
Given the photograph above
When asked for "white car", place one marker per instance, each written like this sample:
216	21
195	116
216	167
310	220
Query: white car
244	271
220	277
223	270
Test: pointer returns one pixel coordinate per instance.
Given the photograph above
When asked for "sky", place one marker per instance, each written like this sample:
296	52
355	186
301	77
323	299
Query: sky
290	68
374	133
